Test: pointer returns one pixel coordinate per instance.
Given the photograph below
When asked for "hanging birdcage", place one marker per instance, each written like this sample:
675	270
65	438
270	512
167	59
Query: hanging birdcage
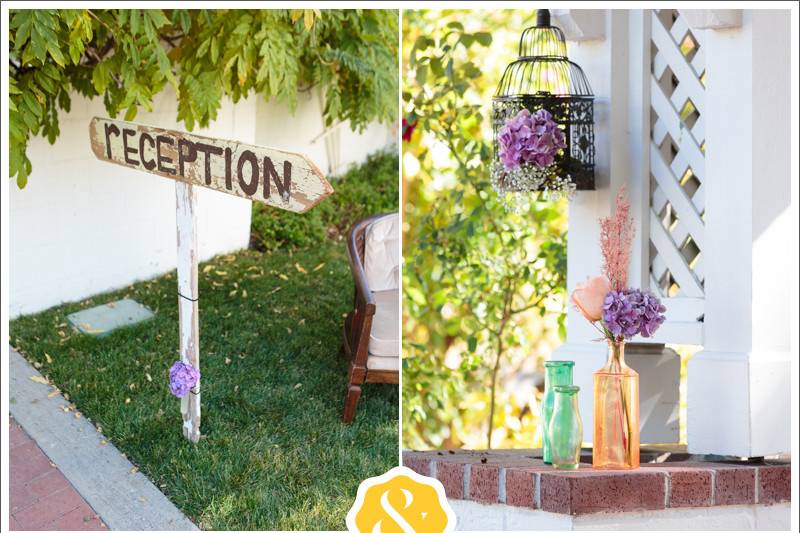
543	118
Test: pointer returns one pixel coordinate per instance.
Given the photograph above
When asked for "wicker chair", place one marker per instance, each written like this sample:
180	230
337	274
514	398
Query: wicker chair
372	328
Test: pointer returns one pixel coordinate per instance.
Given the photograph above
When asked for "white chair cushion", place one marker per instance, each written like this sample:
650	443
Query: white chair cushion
384	339
375	362
382	253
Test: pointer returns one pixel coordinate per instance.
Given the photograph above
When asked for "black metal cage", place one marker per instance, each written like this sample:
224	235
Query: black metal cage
543	78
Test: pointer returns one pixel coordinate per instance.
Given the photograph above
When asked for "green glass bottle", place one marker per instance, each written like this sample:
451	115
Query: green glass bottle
566	428
556	373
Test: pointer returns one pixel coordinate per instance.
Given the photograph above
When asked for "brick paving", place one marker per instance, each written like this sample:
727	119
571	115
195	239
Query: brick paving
41	498
520	478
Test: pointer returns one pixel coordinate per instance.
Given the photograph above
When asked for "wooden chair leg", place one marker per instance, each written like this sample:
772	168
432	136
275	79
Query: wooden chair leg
350	401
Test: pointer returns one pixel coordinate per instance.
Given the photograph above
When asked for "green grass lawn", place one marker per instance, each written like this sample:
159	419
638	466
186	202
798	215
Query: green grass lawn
274	453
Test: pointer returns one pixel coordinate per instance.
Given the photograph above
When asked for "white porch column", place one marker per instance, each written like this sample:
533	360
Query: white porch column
739	385
618	70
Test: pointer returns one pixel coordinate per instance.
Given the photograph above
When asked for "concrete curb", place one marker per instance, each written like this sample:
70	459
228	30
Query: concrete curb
124	500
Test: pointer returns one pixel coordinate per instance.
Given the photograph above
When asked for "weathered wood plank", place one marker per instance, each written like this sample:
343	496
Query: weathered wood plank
188	305
274	177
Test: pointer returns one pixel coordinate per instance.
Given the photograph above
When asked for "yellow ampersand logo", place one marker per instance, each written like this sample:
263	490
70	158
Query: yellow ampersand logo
401	501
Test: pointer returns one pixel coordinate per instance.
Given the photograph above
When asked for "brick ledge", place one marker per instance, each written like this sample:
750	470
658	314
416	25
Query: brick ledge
520	478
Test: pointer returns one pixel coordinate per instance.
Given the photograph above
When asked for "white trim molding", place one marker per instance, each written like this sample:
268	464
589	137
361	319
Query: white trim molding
581	24
713	19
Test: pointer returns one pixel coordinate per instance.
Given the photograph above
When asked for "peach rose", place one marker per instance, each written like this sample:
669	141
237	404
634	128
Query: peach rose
588	297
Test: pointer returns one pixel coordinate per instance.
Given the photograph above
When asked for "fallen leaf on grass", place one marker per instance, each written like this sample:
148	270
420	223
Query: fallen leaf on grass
127	400
298	386
300	268
149	378
276	289
40	379
207	269
227	360
318	267
47	356
244	294
284	277
232	293
87	328
302	322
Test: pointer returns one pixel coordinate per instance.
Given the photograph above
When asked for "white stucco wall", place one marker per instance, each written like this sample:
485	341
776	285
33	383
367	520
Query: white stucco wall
83	227
333	149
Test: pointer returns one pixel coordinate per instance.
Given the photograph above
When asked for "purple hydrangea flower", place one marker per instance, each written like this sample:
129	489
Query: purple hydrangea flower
532	138
620	315
632	312
182	378
652	313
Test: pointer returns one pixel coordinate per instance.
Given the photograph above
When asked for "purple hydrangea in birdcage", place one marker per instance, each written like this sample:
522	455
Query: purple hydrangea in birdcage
528	145
530	138
542	85
182	378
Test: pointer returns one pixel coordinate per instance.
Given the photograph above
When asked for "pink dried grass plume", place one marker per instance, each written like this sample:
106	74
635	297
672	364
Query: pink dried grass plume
616	235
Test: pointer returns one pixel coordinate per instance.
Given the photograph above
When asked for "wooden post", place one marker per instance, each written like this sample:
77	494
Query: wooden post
277	178
188	296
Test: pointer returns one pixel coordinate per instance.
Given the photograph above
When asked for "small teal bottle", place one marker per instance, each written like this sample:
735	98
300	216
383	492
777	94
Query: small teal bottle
566	428
556	373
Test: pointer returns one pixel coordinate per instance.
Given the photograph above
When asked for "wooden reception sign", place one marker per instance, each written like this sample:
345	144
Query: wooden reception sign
274	177
267	175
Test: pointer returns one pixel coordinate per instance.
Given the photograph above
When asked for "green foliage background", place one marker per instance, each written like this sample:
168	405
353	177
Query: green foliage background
129	56
484	289
364	190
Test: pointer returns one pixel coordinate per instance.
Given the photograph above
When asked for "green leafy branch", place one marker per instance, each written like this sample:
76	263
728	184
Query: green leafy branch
470	254
128	56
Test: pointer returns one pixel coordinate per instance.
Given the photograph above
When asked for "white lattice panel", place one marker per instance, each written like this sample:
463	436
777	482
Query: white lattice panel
677	157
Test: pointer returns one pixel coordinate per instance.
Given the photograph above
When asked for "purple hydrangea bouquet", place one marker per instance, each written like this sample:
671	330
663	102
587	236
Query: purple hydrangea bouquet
620	313
529	145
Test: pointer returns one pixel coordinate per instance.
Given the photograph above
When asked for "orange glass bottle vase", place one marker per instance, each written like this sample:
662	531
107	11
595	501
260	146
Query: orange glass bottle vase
616	413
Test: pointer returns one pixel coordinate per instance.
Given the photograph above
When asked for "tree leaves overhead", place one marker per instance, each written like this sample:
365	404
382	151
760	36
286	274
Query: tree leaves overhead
128	56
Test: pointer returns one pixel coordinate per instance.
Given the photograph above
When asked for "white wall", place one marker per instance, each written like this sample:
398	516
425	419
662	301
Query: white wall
333	149
82	227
